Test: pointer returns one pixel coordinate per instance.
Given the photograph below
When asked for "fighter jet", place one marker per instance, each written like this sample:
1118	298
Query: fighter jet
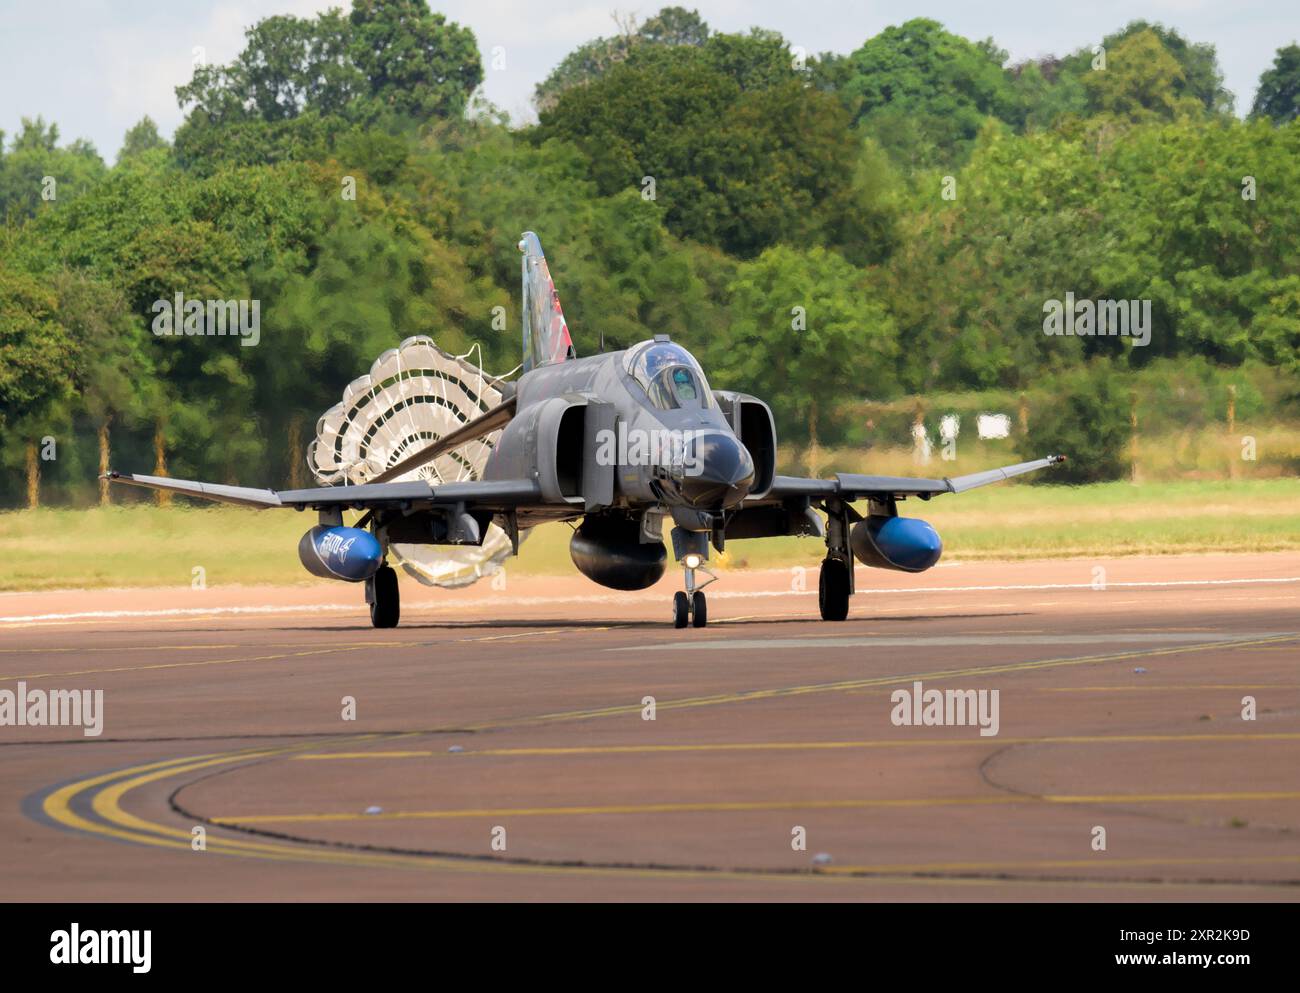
619	444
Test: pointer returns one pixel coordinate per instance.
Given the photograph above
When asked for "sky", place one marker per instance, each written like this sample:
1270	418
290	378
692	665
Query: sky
95	67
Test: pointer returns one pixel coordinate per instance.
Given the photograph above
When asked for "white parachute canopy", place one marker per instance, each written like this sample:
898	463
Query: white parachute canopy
414	395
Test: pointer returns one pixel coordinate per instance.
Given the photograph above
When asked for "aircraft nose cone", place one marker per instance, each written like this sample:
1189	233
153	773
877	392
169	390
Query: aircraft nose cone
723	473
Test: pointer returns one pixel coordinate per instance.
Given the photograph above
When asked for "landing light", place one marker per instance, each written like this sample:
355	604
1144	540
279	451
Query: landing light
693	561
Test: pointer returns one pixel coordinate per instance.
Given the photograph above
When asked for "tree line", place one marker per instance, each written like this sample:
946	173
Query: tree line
819	228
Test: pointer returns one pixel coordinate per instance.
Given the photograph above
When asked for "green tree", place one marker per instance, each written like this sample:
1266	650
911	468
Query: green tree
969	280
1057	93
806	327
299	83
620	274
1142	82
1046	94
671	26
288	66
924	93
36	172
1201	78
1217	265
39	358
1084	417
140	139
675	26
112	377
738	168
36	375
416	65
757	60
1278	97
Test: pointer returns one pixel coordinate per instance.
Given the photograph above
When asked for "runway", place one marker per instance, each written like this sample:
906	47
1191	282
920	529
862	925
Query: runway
544	739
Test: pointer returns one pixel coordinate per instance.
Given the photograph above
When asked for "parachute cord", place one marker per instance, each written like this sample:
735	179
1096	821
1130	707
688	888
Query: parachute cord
477	347
477	364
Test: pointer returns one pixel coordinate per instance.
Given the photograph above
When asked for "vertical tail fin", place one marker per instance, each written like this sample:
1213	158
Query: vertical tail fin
546	334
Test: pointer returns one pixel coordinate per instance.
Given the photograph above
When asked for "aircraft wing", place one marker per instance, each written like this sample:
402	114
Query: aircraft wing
478	494
853	486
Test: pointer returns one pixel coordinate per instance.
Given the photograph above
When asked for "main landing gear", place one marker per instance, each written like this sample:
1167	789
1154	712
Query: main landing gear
691	606
833	589
382	595
835	585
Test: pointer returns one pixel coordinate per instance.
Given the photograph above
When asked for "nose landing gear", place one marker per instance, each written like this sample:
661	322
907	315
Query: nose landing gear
691	606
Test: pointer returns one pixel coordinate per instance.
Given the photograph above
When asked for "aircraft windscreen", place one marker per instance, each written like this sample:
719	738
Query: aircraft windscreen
669	375
683	383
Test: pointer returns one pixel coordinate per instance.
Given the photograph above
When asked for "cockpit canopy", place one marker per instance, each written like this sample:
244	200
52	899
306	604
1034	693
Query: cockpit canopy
669	374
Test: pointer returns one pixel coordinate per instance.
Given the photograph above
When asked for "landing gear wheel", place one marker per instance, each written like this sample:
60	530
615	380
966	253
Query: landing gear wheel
699	609
833	590
681	609
385	605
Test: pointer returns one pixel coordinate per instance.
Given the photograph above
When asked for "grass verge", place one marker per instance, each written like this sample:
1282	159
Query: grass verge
144	545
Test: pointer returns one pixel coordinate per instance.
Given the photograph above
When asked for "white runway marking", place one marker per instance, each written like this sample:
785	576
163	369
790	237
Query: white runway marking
957	641
537	601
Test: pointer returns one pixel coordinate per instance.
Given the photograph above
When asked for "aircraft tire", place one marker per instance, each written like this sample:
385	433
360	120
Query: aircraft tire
699	609
681	609
833	590
386	607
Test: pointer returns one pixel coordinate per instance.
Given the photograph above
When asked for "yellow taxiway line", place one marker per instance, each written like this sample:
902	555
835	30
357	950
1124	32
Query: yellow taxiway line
795	746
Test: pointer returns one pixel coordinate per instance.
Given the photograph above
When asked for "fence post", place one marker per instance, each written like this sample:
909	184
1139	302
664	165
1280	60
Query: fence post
296	458
1234	457
33	477
160	463
104	498
1133	435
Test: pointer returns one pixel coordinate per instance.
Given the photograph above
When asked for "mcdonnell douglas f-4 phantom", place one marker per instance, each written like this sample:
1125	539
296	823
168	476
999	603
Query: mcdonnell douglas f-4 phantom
621	443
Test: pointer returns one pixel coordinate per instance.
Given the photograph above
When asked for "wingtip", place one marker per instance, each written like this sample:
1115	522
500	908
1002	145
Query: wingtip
1057	459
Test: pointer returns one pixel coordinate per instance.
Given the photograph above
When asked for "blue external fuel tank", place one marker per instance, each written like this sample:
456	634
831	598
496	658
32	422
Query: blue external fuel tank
907	544
350	554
